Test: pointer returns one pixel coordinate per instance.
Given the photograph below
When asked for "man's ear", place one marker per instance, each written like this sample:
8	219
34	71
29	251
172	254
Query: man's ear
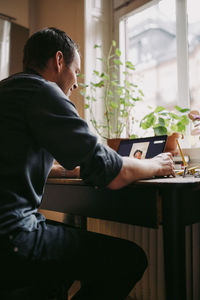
59	60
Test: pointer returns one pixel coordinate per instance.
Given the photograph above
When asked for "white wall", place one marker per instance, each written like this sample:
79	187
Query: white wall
98	30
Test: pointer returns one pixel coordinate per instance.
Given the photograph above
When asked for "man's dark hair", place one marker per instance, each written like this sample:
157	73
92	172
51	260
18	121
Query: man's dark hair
44	44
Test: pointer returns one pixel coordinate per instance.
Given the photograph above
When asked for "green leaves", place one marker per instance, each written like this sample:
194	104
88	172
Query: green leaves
160	130
159	109
98	84
113	104
96	72
113	43
184	120
129	65
163	121
97	46
148	121
117	62
115	95
182	110
118	52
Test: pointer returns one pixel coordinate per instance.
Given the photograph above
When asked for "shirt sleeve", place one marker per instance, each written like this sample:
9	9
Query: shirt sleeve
103	167
55	125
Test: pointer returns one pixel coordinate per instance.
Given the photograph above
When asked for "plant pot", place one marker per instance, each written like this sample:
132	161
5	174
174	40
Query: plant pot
114	143
171	145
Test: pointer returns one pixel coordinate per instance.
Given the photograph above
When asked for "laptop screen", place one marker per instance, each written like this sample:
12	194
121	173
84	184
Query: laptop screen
146	147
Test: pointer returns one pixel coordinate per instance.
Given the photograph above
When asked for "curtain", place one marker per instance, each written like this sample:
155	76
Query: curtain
4	48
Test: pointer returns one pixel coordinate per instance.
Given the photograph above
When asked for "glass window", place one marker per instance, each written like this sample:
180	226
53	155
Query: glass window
162	39
4	48
194	53
151	46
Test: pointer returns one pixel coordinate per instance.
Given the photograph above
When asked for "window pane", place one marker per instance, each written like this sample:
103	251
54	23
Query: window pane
194	52
151	46
150	39
4	48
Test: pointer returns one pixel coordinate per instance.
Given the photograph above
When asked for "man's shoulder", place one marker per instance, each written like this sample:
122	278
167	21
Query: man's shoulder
35	85
26	78
22	78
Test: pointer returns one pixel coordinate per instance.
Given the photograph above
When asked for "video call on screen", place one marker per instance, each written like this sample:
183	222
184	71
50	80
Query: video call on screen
150	146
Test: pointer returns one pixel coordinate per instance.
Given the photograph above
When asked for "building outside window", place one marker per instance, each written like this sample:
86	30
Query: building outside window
162	39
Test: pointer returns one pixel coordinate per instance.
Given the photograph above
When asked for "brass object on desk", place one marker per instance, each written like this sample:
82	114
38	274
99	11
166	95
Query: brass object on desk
191	171
187	170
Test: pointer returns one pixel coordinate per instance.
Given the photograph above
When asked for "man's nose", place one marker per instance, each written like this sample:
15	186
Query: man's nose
75	86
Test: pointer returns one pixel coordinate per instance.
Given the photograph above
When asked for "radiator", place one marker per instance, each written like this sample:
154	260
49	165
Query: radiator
152	285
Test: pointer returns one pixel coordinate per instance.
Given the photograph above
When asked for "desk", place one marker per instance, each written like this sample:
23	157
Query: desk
171	202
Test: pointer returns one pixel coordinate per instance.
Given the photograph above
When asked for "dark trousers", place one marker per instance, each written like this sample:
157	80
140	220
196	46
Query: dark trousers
57	254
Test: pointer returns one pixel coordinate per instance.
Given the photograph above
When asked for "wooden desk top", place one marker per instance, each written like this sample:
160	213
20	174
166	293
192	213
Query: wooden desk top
158	181
74	181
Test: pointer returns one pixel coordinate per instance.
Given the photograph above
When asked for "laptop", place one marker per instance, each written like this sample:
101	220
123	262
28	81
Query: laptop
140	148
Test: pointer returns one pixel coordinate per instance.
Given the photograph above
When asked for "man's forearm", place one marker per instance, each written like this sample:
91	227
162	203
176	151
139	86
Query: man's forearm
132	170
135	169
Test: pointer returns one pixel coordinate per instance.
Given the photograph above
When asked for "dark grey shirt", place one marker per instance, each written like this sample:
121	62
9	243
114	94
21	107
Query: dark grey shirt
37	125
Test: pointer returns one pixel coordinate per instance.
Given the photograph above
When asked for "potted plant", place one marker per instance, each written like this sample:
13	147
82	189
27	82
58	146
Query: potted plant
163	121
117	96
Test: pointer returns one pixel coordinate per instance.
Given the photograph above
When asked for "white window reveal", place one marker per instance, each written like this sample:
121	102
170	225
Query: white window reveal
4	48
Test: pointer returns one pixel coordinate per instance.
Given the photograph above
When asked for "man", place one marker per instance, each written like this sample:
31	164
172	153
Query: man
40	124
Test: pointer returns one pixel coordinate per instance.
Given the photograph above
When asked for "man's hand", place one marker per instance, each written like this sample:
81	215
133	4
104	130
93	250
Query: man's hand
164	164
134	169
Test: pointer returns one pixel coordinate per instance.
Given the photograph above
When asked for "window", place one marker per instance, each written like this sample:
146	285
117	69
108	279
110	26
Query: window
194	53
151	46
4	48
162	39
